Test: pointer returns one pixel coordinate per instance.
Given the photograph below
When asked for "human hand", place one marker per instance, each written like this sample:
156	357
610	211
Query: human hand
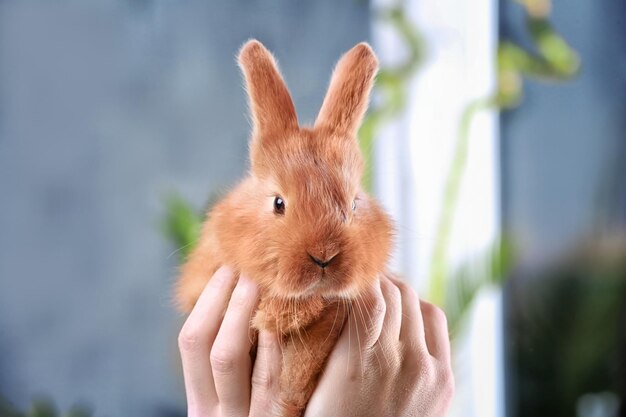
392	359
220	379
382	365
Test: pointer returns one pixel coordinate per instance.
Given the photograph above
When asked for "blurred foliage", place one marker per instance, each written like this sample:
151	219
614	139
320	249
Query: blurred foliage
553	60
41	408
391	88
440	264
489	268
181	224
566	331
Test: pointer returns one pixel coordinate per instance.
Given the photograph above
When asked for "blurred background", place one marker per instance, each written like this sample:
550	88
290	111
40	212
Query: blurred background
496	138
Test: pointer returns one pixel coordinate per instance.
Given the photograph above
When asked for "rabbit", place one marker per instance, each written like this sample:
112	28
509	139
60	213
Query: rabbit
299	224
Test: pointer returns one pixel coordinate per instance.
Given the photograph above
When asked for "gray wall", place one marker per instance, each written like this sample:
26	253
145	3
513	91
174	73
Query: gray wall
104	107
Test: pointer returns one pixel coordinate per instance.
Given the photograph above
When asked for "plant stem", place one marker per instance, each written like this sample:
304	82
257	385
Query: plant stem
439	267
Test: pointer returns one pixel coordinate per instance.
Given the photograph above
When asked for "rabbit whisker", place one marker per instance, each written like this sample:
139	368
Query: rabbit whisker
332	327
360	301
358	339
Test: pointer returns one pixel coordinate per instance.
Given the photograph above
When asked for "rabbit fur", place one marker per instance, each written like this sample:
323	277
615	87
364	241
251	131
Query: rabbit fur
316	253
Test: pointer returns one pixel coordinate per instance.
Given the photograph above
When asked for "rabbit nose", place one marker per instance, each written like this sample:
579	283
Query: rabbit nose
322	264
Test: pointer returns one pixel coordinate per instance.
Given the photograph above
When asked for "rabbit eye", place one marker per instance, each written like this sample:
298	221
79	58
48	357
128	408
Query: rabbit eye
353	205
279	205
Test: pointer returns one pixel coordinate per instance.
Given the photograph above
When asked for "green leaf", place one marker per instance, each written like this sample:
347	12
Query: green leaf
181	224
489	268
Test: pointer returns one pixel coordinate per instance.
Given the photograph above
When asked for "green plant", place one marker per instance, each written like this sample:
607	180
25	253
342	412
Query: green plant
565	327
181	224
489	268
553	60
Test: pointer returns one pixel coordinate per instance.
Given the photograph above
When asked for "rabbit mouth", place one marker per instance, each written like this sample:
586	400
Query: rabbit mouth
325	283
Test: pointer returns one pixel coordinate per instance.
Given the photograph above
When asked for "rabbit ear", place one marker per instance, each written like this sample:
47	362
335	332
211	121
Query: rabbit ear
270	103
348	93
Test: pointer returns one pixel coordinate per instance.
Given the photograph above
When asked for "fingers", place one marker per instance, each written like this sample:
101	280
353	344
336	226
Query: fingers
436	331
366	319
197	336
230	356
423	324
360	332
412	329
393	311
266	374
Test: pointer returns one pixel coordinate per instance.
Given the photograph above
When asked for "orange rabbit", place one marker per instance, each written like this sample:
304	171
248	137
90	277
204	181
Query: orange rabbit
299	224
